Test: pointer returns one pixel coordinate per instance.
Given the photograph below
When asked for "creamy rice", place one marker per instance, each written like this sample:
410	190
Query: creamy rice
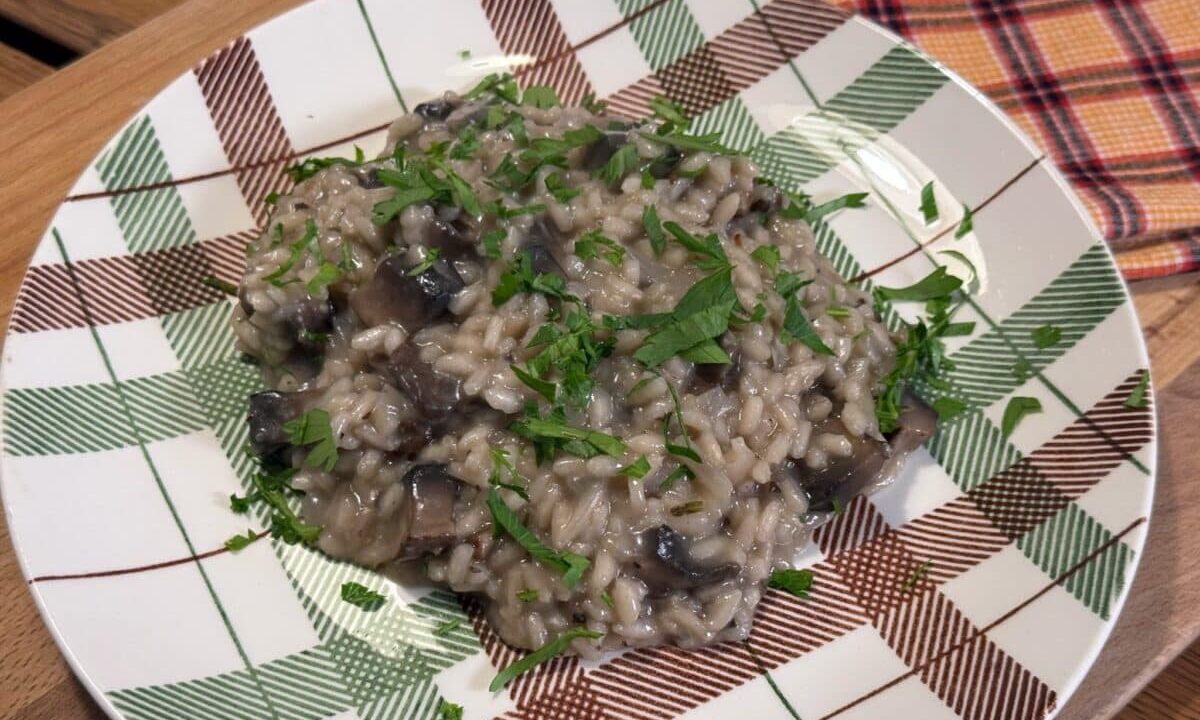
420	390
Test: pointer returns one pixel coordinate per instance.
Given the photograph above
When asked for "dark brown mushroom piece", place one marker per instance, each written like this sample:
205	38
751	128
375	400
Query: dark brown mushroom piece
435	394
543	236
437	110
663	165
765	201
413	301
843	478
429	509
308	321
707	376
600	151
368	178
666	564
269	412
450	239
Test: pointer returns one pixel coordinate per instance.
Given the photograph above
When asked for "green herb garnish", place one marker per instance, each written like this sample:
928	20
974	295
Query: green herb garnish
431	257
558	188
520	278
619	165
936	284
313	429
516	483
1137	397
537	657
654	231
794	582
240	542
491	242
965	225
540	96
636	469
768	255
219	285
701	314
310	234
851	200
527	595
571	566
326	274
1018	407
796	325
362	596
712	255
929	208
448	710
552	430
594	244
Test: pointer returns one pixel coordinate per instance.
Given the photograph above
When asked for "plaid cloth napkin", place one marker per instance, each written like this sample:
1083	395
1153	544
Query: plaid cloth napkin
1110	89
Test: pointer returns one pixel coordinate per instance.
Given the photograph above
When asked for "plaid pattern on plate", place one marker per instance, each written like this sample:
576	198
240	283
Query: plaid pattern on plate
1110	89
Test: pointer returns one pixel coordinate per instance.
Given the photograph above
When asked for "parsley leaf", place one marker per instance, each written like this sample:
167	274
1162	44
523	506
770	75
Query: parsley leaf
851	200
592	105
701	143
362	596
541	655
284	523
670	113
516	483
929	208
1018	407
311	166
653	228
709	247
446	709
520	278
461	189
431	256
310	234
787	283
558	188
491	242
636	469
1046	336
467	145
947	407
701	314
796	325
501	85
542	387
593	244
326	274
240	505
571	566
240	542
313	428
1137	397
768	255
540	96
966	225
554	430
794	582
527	595
936	284
619	165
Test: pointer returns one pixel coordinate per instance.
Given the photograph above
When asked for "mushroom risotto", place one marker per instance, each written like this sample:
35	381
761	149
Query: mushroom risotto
588	367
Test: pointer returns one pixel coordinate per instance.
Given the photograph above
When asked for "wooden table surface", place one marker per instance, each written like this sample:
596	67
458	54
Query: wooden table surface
59	123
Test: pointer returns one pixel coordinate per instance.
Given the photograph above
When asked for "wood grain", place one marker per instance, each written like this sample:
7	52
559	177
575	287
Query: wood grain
84	25
1161	618
18	70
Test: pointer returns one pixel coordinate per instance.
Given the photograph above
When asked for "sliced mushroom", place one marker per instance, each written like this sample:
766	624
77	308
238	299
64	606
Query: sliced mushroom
916	424
437	110
765	201
667	565
842	478
413	301
307	320
543	236
600	151
723	375
432	492
450	240
368	179
435	394
269	411
664	165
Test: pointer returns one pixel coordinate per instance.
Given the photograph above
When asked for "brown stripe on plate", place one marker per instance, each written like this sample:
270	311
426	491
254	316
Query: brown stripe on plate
531	27
244	114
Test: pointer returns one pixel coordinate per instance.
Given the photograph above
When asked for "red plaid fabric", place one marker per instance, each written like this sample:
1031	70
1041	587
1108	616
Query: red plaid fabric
1110	89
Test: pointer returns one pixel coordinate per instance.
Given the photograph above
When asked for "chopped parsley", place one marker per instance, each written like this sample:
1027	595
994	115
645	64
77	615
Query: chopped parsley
768	255
571	566
936	284
699	143
947	407
654	230
607	599
313	429
520	278
619	165
1018	407
310	234
551	649
683	471
269	488
311	166
703	313
491	242
850	200
670	113
793	582
573	350
326	274
219	285
787	283
1046	336
240	542
558	188
516	483
502	86
551	432
593	244
796	326
592	105
1137	397
448	710
431	257
540	96
362	596
447	627
467	145
712	255
527	595
636	469
929	208
966	225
